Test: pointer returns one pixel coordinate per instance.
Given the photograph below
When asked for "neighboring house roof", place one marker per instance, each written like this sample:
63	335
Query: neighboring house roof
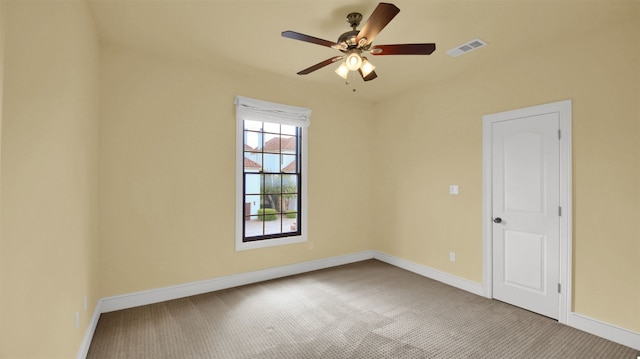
251	164
287	144
248	148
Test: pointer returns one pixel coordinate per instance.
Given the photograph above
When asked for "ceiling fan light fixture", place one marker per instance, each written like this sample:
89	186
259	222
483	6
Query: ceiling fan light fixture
343	70
353	61
366	68
352	44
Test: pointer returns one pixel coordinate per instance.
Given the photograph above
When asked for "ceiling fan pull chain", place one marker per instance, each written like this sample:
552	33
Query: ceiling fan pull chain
353	76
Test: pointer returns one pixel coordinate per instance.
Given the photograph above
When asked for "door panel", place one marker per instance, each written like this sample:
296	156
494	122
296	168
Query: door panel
523	162
524	260
526	197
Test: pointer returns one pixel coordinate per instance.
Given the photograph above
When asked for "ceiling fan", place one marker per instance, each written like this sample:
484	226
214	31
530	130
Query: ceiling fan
353	43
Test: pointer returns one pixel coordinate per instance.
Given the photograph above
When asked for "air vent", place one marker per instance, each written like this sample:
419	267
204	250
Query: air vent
468	47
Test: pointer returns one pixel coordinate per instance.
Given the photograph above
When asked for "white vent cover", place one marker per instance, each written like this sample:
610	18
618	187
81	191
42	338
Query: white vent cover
467	47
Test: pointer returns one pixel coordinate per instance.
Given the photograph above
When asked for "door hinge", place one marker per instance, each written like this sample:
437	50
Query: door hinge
559	288
559	134
559	211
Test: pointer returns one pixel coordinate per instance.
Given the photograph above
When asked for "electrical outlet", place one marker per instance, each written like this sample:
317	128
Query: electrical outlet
452	256
454	189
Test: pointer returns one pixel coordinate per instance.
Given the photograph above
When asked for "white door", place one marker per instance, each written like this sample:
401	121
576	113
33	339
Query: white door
526	212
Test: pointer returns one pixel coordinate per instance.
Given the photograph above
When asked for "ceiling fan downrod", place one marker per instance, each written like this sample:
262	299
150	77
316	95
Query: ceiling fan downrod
354	19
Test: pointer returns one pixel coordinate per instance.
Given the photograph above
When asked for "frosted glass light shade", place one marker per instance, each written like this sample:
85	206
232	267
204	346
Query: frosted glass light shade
366	68
343	70
354	61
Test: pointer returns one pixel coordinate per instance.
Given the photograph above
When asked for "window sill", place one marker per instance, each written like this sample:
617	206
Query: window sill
241	246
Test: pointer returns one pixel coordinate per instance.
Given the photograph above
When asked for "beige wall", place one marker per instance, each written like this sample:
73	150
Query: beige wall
437	133
1	111
167	162
49	179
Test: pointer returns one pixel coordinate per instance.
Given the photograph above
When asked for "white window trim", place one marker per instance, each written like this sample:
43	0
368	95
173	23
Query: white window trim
257	110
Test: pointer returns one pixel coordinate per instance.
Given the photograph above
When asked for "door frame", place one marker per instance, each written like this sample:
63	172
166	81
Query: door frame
563	108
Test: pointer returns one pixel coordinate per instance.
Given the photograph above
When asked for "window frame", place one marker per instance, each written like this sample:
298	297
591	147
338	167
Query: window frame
274	113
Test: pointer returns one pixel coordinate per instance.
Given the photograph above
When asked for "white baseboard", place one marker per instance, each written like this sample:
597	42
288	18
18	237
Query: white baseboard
464	284
185	290
604	330
88	335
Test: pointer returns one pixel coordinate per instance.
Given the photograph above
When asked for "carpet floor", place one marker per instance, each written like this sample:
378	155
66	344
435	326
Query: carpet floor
367	309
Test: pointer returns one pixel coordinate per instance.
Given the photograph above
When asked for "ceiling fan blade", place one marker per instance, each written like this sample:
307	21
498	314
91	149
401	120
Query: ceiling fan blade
381	16
403	49
302	37
320	65
369	77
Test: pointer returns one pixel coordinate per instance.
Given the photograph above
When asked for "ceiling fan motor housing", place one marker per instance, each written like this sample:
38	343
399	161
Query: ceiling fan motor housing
349	39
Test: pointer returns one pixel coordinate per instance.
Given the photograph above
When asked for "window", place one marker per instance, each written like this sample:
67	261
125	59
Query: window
271	177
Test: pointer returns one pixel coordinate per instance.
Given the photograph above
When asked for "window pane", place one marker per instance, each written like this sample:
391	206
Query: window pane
289	184
288	144
269	206
289	202
272	184
252	162
252	125
271	143
253	227
288	130
252	183
271	162
252	141
271	127
289	164
289	223
251	205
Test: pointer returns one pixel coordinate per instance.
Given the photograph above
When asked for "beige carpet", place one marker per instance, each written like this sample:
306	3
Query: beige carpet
362	310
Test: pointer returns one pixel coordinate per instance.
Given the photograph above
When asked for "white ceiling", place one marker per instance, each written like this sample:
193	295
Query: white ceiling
247	32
